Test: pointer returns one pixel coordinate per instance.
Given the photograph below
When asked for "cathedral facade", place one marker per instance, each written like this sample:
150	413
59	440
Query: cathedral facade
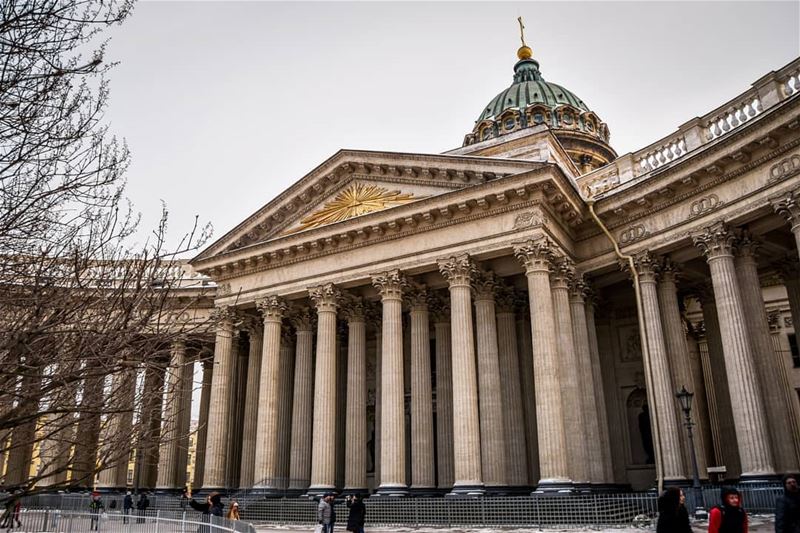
518	312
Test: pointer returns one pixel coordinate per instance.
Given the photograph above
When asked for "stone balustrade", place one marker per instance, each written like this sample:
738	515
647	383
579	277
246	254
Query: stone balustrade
764	94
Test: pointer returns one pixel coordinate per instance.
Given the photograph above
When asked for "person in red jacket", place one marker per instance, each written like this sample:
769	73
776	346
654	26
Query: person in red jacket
729	517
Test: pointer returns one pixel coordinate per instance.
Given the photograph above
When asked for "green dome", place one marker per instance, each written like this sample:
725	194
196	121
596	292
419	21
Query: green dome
530	88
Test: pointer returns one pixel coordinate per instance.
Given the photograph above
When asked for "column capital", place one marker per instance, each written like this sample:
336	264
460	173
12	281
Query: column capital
774	320
326	297
457	270
417	298
374	315
563	274
505	298
715	241
646	265
669	271
252	325
390	284
484	285
224	316
272	308
747	246
440	309
535	255
579	290
302	319
788	206
353	309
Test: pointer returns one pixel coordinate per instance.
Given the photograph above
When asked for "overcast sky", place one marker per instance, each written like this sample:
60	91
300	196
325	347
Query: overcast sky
225	104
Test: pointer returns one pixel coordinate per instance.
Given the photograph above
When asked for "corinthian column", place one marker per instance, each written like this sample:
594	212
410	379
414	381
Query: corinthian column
444	394
767	362
599	392
680	364
458	271
167	458
490	400
716	243
302	402
586	390
249	431
202	423
219	409
577	451
423	470
663	389
265	474
393	453
323	451
536	255
528	390
355	474
510	389
285	387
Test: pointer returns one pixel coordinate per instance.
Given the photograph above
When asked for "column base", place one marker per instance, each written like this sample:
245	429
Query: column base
320	490
553	487
424	492
497	490
466	491
392	491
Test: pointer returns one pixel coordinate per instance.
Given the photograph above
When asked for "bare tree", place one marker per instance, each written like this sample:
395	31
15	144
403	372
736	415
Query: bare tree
82	312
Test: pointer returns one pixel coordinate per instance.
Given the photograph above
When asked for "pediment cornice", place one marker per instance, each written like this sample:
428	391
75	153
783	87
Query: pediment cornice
442	171
544	186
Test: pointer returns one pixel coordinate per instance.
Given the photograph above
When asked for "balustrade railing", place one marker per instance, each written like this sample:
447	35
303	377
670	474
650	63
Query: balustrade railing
766	93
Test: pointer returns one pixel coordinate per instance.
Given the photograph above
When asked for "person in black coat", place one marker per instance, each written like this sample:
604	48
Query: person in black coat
211	507
357	515
787	507
672	514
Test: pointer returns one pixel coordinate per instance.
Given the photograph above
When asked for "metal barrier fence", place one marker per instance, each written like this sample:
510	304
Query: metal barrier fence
58	521
567	510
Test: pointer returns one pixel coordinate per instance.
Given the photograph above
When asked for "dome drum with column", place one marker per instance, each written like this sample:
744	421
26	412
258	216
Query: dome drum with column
531	101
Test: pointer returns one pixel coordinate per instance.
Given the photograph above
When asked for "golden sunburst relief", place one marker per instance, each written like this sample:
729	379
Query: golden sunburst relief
356	200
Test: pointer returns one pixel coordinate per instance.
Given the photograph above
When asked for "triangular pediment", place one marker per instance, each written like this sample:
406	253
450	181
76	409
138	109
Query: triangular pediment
356	183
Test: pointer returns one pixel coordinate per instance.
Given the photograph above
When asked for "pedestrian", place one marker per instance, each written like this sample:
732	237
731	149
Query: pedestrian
11	512
326	515
729	517
95	508
185	498
787	507
357	515
141	507
233	512
211	507
127	505
672	514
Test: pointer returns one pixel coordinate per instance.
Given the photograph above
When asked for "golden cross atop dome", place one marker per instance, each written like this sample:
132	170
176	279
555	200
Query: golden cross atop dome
524	51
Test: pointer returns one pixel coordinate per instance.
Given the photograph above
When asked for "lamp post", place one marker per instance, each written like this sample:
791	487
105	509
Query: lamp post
685	398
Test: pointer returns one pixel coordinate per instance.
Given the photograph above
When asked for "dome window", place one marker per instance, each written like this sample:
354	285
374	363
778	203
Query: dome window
509	123
485	134
538	118
590	126
567	118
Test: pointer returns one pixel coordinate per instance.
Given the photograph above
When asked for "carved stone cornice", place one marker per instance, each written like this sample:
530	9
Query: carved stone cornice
788	206
484	285
715	241
458	270
326	297
272	308
390	284
535	255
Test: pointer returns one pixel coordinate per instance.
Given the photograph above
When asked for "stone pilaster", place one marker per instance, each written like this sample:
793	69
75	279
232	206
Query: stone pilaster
202	422
586	390
168	454
302	402
323	451
490	398
536	257
273	309
663	389
219	406
752	435
458	272
444	395
767	361
285	404
249	432
423	470
390	285
528	389
355	477
510	389
599	392
572	411
680	366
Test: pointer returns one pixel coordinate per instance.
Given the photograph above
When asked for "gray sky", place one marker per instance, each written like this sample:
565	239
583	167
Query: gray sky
225	104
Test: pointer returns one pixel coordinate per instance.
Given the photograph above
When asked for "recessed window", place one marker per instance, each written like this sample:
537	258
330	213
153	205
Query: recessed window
567	118
538	118
509	123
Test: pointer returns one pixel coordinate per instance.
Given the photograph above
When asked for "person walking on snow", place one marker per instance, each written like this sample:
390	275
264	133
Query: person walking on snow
787	507
729	517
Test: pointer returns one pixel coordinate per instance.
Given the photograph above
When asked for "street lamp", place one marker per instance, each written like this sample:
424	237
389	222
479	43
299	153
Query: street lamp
685	398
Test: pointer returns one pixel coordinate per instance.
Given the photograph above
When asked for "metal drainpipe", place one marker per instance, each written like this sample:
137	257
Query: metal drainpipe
648	369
